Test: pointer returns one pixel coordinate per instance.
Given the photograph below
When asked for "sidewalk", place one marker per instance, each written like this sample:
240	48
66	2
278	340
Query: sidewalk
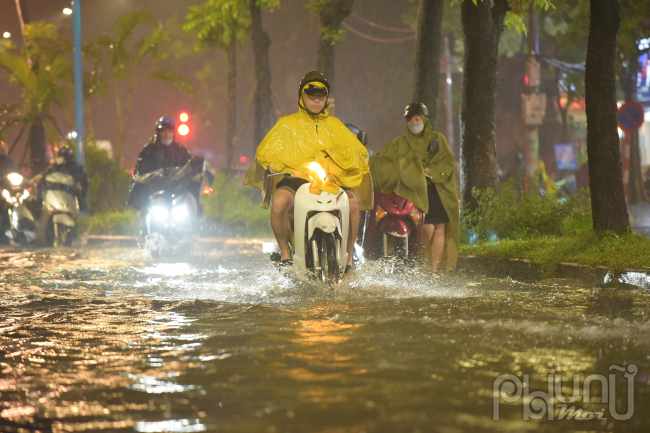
640	218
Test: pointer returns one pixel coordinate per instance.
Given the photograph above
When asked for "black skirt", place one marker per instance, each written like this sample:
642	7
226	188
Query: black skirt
437	213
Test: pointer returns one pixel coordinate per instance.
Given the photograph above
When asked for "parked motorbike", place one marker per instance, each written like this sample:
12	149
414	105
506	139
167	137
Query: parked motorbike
18	223
393	228
62	207
170	212
320	231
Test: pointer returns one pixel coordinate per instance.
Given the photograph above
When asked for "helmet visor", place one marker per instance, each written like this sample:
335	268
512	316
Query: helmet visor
315	89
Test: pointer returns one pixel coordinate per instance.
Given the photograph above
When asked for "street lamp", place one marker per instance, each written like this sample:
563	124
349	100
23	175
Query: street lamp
67	11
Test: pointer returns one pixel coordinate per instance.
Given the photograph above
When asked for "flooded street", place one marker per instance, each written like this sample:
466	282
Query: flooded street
107	339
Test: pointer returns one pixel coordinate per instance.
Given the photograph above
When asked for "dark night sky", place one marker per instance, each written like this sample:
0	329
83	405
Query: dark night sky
372	83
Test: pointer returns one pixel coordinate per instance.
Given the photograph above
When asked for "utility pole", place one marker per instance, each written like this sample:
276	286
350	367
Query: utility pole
533	104
78	83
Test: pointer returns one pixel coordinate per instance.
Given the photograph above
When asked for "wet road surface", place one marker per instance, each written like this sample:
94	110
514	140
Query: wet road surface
109	340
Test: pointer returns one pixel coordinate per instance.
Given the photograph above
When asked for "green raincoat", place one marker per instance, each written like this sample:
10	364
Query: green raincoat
399	168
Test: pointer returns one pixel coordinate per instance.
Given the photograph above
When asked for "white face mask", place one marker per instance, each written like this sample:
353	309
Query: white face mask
416	128
59	160
166	142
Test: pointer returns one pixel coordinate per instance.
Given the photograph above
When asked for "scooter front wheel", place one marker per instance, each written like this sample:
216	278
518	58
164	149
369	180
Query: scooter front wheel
329	263
63	235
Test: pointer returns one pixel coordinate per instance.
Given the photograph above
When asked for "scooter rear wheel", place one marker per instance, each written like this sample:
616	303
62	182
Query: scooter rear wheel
327	247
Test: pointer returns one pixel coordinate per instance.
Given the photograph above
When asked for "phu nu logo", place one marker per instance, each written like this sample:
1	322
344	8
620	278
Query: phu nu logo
537	404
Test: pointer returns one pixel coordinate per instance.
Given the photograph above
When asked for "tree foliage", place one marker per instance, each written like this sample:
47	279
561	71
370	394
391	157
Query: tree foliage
127	54
43	72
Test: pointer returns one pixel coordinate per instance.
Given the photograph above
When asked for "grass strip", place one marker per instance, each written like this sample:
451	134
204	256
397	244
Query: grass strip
609	250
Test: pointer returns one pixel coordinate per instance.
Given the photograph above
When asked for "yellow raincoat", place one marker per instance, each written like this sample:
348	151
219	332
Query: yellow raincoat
300	139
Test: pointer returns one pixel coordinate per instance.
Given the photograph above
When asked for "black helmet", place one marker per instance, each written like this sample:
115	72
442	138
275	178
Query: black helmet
415	109
66	153
165	122
314	76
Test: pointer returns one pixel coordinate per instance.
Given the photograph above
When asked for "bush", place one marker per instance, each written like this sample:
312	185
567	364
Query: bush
119	223
514	214
109	184
235	209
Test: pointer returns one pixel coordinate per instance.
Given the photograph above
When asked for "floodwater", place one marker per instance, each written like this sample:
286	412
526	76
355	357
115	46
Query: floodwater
108	340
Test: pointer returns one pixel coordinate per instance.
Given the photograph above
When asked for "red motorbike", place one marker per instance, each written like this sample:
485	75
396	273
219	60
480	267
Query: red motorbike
392	228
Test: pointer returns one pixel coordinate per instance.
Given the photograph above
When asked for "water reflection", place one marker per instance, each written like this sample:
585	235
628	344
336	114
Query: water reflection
94	343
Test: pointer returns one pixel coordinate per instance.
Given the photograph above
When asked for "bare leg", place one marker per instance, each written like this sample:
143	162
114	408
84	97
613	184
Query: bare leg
354	225
437	246
281	207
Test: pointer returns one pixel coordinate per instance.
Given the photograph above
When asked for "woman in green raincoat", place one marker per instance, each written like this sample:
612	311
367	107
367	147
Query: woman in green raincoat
419	166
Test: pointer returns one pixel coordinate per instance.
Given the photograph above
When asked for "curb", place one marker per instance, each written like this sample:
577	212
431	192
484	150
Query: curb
525	270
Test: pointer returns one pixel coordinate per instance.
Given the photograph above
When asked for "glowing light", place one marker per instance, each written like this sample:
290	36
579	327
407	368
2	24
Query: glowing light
243	159
15	179
316	168
67	11
159	212
380	214
180	212
183	130
6	35
184	117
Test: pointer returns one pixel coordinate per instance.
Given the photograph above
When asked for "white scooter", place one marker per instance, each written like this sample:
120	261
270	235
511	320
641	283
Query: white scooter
62	206
320	231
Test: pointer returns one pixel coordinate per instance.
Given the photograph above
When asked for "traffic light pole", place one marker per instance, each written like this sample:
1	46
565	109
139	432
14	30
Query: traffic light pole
78	83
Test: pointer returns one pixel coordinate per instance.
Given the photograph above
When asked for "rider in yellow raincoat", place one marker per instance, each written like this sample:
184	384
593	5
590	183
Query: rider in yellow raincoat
298	141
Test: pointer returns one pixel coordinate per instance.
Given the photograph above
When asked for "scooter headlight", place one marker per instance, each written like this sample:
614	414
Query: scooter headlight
180	213
159	212
15	179
6	195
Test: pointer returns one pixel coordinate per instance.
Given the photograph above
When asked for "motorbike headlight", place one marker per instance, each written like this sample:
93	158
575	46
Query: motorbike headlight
15	179
159	212
6	195
180	212
380	213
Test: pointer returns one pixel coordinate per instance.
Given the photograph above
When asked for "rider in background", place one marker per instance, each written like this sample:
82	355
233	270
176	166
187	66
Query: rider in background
419	166
296	140
6	164
161	151
65	162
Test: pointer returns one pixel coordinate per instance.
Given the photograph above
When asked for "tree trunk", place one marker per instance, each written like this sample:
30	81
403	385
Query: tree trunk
427	55
331	16
603	147
232	101
482	25
36	144
627	78
263	97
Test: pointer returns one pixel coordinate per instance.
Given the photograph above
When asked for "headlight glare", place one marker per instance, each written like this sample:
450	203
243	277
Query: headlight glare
15	179
159	212
180	212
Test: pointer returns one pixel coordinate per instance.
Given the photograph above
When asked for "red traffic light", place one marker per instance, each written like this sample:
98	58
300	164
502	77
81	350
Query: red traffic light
184	117
183	129
243	159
